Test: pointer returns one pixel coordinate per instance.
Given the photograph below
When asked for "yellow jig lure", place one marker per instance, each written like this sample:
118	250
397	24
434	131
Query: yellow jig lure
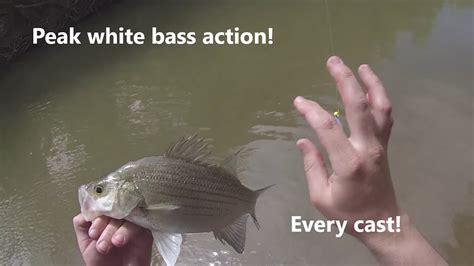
336	115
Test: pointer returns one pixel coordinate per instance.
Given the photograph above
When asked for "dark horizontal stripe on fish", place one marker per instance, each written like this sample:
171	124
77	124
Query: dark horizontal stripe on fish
196	198
198	214
220	210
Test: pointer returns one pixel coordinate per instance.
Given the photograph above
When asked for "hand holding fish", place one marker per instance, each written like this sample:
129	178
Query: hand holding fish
179	192
107	241
360	186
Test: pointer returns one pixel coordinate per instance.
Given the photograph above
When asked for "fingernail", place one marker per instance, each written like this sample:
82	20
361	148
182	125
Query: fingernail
301	146
335	60
299	99
104	246
118	239
364	67
92	233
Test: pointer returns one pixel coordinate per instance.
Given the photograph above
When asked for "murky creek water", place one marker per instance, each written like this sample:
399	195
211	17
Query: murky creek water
69	114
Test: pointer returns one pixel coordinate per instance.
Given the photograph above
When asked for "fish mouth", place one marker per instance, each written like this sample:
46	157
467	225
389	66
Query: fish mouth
81	192
86	202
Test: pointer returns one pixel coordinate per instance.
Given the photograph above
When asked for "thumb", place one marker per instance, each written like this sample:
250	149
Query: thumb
316	172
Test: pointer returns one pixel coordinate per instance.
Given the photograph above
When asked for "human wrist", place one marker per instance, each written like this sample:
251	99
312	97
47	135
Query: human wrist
407	247
386	244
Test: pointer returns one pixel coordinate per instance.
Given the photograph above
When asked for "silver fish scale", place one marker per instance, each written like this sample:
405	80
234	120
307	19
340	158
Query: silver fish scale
199	190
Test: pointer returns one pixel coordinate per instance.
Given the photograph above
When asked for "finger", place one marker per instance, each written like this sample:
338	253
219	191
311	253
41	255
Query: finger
104	244
329	132
98	226
316	172
127	232
381	107
81	227
355	102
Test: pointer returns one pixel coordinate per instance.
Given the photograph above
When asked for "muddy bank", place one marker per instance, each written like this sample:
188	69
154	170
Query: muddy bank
18	17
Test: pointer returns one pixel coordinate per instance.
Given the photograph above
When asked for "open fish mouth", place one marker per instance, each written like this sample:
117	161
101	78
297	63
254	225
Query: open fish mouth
87	204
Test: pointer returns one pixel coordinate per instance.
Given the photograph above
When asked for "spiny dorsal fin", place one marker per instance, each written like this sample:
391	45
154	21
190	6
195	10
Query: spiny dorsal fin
190	148
234	234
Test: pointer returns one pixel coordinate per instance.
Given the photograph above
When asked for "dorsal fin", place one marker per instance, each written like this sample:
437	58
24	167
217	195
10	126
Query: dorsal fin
190	148
230	163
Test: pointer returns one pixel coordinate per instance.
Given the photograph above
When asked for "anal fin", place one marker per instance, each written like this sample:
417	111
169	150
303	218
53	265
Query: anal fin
234	234
169	246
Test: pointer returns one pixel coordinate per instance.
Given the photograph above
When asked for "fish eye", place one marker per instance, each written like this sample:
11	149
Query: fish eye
99	189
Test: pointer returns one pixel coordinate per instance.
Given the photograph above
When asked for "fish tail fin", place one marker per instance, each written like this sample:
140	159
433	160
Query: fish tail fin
258	192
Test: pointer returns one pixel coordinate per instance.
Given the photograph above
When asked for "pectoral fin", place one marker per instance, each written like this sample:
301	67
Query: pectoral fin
234	234
169	246
162	207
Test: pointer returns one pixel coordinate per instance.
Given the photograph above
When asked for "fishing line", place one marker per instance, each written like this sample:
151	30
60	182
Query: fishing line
337	113
328	20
